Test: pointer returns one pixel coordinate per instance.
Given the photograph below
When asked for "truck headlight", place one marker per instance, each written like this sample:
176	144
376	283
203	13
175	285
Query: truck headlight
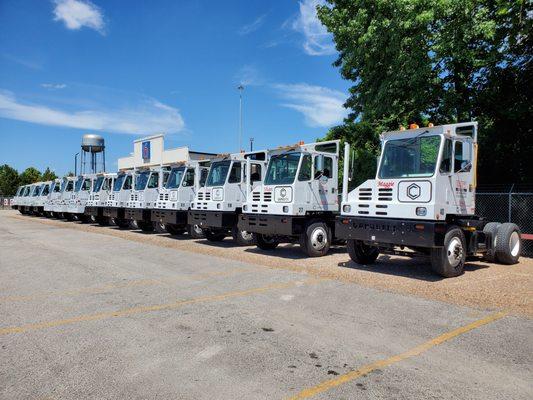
346	208
283	194
217	194
421	211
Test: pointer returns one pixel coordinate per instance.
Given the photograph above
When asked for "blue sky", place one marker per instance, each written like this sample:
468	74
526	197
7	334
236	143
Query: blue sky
131	69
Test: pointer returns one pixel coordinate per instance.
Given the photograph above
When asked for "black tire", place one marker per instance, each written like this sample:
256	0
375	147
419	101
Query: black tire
265	242
242	238
159	227
508	243
145	226
449	260
68	216
361	253
122	223
195	232
174	230
490	234
103	221
213	236
316	240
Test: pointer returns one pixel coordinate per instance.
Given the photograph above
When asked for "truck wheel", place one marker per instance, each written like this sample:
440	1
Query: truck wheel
174	230
490	234
122	223
145	226
316	240
103	221
265	242
195	232
449	261
242	238
508	243
214	236
362	253
159	227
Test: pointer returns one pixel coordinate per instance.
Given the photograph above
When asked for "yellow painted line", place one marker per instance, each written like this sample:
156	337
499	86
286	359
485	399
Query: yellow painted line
145	309
122	285
350	376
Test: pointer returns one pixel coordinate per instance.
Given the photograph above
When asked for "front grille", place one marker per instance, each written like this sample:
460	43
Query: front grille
163	196
267	196
200	196
208	196
256	196
385	194
365	194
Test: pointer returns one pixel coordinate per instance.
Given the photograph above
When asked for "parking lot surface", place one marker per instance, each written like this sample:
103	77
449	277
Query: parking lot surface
89	312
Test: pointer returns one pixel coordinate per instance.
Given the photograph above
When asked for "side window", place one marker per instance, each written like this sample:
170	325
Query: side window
153	182
446	163
46	190
166	174
328	167
127	183
235	174
305	168
189	178
70	186
105	185
255	173
461	155
203	177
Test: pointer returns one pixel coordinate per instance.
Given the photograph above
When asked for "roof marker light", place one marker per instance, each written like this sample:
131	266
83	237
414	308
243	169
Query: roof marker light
413	126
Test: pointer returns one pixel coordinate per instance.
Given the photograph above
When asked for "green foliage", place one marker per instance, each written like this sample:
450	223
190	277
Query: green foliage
30	175
49	175
9	180
441	61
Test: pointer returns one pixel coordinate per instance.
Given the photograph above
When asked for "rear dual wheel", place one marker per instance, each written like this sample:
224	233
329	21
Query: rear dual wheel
508	245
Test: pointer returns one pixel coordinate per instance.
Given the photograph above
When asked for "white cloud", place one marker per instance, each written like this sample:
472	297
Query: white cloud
320	106
53	86
318	42
147	117
76	14
248	75
252	27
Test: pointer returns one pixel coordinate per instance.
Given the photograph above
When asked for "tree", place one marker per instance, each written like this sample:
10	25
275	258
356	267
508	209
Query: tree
9	180
48	175
30	175
443	61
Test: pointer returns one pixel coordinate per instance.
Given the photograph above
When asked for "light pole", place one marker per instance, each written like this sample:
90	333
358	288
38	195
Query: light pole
241	89
251	144
76	164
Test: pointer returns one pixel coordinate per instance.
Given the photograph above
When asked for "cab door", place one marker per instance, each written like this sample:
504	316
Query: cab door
462	175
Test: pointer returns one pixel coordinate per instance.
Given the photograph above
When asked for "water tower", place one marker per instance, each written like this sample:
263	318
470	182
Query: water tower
92	153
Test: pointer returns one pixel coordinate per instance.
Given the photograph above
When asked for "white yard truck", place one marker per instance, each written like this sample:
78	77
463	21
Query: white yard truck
31	201
116	202
55	193
423	200
144	195
42	198
16	199
297	200
79	197
216	206
175	198
102	188
61	203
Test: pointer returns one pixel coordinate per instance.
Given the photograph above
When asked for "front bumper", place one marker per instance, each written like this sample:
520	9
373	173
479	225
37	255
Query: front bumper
399	232
279	225
137	214
212	219
173	217
113	212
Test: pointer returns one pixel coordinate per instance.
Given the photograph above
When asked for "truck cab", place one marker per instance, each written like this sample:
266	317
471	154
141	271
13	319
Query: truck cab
101	189
423	199
175	198
116	202
297	200
144	195
79	197
33	198
55	192
218	204
16	198
40	201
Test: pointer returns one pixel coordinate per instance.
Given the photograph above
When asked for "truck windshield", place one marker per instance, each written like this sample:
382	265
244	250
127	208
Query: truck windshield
37	191
217	173
409	158
78	184
118	183
282	169
174	178
141	180
98	184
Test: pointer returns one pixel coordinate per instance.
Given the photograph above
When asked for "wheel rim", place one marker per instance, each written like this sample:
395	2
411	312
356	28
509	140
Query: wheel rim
247	235
197	229
319	238
514	243
160	226
455	252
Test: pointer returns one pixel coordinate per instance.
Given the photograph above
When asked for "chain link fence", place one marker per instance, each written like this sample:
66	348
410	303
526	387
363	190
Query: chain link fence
509	203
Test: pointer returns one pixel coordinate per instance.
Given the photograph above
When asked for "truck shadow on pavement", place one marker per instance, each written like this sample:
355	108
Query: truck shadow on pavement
414	268
290	251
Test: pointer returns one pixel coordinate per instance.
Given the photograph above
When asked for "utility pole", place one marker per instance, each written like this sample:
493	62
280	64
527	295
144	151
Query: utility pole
241	89
76	164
